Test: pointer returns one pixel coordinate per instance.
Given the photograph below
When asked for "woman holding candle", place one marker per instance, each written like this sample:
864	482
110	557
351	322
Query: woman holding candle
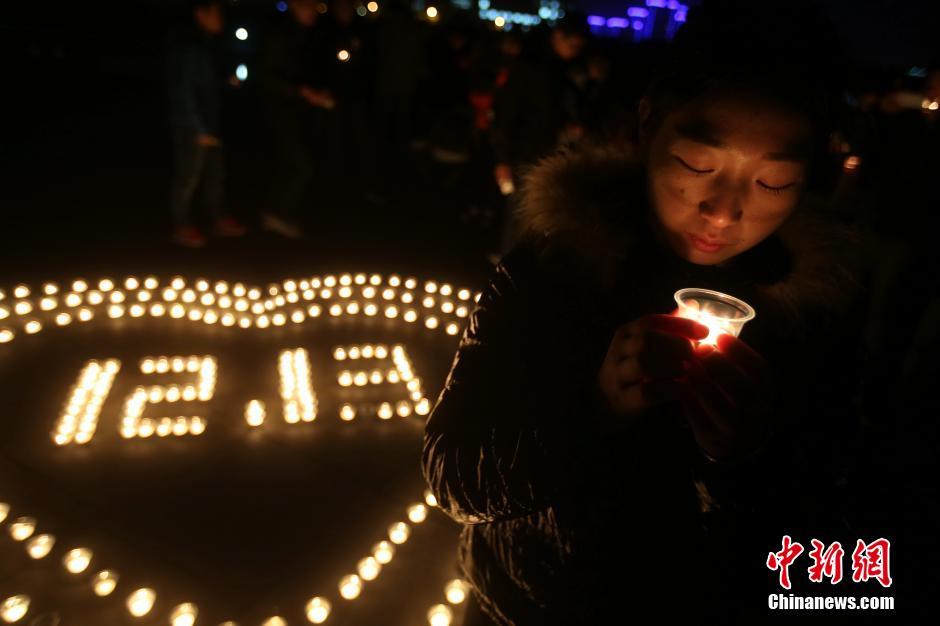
601	456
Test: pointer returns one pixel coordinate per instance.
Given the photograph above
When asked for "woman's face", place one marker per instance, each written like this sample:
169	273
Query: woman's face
724	173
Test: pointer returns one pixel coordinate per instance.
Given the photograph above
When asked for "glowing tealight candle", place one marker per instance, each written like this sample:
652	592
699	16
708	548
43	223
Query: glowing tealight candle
184	615
254	413
368	568
141	602
399	532
350	586
77	560
318	609
417	513
383	552
14	608
22	528
105	583
440	615
429	498
40	546
4	511
197	426
456	591
719	312
347	412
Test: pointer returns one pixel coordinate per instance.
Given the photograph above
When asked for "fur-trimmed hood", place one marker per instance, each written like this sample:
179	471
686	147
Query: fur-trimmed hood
592	205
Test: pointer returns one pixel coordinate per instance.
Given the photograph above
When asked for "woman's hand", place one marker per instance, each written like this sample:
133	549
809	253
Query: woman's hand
644	362
728	398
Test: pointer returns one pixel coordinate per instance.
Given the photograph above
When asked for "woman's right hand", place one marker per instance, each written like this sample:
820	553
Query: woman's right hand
645	359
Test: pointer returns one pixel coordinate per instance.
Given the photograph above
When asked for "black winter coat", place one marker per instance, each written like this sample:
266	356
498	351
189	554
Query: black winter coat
573	517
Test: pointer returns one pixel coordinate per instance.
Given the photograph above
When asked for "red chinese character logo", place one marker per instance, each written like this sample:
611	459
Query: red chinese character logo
826	562
782	560
872	561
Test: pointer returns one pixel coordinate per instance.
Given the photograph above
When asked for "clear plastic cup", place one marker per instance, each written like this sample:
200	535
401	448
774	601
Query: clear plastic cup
721	313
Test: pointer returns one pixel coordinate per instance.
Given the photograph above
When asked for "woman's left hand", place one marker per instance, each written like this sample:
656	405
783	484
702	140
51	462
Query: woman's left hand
728	398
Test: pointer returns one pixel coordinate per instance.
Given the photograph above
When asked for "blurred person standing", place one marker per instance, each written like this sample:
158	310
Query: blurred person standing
539	108
401	64
294	77
195	87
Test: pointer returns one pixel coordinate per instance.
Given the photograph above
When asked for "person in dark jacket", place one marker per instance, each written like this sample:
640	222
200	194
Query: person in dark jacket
294	78
538	110
605	462
195	86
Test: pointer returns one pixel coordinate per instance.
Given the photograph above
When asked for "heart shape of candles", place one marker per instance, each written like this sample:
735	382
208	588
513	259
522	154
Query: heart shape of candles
719	312
382	304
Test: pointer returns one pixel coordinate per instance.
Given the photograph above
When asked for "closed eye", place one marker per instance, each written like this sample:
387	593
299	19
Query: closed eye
690	168
779	189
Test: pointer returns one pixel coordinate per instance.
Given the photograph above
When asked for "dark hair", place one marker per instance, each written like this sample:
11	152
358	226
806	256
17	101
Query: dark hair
785	52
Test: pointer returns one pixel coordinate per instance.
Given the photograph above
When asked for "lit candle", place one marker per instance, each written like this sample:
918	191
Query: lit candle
318	609
77	560
719	312
105	582
141	602
14	608
456	591
440	615
22	528
40	546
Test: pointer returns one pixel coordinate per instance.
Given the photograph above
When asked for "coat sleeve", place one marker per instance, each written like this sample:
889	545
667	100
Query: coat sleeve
814	421
506	430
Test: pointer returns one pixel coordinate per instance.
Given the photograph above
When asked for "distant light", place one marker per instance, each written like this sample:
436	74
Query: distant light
617	22
241	34
638	12
851	163
637	25
545	12
679	16
917	72
241	72
431	12
656	3
281	6
500	21
361	11
373	7
343	55
596	20
484	4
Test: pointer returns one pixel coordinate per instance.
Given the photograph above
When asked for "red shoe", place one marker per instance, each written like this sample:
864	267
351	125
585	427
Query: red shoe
189	236
229	227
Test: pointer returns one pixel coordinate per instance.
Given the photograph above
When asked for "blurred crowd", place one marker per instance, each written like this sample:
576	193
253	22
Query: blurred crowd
358	93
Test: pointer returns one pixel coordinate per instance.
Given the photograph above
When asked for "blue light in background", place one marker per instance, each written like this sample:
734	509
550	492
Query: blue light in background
638	12
617	22
596	20
241	72
637	25
281	6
